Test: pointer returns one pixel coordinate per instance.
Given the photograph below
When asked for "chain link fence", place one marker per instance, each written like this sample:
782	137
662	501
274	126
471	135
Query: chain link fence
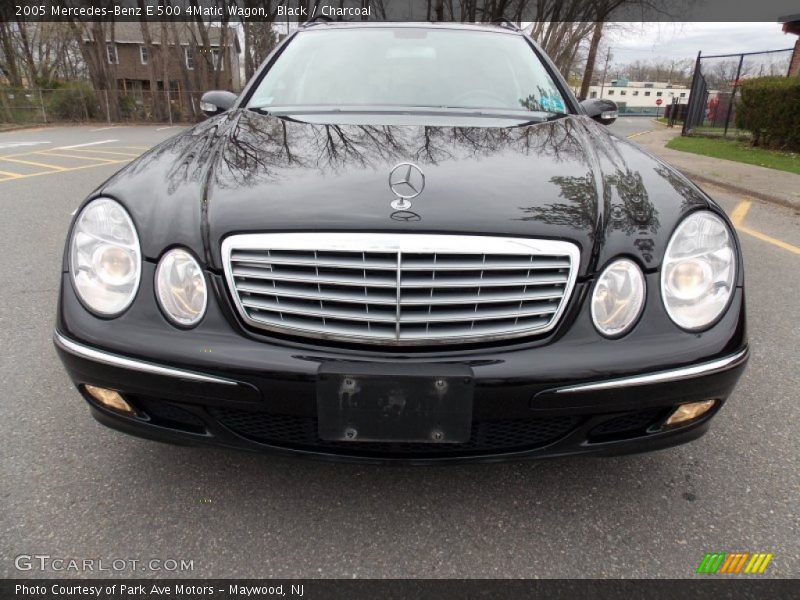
715	88
81	103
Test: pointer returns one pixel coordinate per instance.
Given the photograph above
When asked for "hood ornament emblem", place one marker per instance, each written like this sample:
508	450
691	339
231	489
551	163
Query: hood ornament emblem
406	181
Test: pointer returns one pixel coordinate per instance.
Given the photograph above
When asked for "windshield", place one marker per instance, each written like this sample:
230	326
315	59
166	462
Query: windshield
409	67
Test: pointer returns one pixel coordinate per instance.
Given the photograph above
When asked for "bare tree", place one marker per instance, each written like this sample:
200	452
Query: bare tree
153	63
176	40
94	39
34	54
673	71
564	26
259	39
721	73
9	66
591	58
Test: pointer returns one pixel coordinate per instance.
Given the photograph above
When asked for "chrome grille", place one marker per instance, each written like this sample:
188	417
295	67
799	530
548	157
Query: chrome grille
399	289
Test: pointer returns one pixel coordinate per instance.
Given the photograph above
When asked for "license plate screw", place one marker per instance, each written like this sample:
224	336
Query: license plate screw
348	385
437	436
350	433
441	383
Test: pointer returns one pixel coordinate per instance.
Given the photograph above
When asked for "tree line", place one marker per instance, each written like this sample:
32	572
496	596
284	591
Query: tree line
45	54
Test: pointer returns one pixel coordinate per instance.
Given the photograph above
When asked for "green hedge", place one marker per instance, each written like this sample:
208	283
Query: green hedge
770	110
76	101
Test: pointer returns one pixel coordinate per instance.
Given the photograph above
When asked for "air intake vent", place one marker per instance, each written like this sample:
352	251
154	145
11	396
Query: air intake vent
487	436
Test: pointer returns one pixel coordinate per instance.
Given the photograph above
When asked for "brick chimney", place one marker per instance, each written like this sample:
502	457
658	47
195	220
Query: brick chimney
791	24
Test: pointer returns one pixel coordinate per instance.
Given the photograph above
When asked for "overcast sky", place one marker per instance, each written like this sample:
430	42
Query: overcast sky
649	41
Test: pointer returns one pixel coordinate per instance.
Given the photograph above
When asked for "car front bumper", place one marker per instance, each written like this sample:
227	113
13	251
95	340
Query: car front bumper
576	393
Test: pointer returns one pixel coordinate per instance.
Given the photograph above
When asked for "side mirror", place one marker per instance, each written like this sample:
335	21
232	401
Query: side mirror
213	103
602	111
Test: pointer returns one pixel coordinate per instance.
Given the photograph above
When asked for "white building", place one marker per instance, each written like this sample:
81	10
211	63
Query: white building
637	94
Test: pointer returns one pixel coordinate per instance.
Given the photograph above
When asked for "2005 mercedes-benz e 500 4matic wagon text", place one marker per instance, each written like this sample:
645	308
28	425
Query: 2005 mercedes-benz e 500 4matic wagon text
403	242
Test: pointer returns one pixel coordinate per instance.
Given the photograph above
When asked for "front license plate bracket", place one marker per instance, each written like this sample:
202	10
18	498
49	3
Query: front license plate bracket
421	403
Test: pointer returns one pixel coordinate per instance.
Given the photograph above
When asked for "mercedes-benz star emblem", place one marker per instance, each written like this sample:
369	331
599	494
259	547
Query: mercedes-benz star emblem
406	181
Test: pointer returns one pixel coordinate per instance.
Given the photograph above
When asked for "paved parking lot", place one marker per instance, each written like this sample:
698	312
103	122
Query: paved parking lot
73	489
58	150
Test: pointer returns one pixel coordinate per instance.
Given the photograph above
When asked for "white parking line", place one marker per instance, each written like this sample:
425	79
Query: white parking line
84	145
163	128
19	144
104	128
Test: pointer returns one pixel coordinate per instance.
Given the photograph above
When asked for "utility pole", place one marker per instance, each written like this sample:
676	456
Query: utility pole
605	72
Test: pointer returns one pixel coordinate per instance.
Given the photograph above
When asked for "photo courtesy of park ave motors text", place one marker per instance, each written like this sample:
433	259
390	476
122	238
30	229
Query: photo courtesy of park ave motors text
295	286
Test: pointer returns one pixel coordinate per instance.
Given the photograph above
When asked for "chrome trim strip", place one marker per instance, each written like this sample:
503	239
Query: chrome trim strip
399	287
661	376
129	363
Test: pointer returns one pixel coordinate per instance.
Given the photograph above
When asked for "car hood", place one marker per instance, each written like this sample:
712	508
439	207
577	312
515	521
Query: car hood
567	179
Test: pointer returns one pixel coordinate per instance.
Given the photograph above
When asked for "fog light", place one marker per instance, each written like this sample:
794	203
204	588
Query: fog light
689	412
109	398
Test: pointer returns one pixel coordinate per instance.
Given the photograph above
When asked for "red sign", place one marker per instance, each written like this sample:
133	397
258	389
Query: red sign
658	102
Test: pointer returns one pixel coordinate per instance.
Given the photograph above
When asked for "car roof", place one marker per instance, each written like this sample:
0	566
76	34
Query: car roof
499	27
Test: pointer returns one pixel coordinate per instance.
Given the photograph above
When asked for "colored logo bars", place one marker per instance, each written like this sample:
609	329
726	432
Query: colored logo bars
734	563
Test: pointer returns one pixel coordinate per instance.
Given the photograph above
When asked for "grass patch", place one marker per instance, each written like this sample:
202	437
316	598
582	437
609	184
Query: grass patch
738	151
733	132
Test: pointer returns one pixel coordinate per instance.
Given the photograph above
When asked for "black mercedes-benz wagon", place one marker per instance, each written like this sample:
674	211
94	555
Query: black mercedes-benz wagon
403	242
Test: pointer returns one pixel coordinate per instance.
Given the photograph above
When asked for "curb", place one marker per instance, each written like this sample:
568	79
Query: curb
788	203
9	127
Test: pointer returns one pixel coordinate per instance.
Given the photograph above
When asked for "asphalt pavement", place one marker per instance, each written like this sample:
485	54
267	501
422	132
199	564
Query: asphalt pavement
631	126
74	489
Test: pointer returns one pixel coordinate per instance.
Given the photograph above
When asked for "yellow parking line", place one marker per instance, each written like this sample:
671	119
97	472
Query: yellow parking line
96	159
737	218
104	152
66	170
34	163
10	175
26	153
40	150
740	212
769	239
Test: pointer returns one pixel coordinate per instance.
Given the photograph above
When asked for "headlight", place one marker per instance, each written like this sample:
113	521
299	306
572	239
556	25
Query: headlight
618	298
105	260
699	270
181	288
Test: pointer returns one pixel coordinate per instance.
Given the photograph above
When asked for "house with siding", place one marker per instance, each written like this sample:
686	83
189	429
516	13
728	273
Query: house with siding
182	61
